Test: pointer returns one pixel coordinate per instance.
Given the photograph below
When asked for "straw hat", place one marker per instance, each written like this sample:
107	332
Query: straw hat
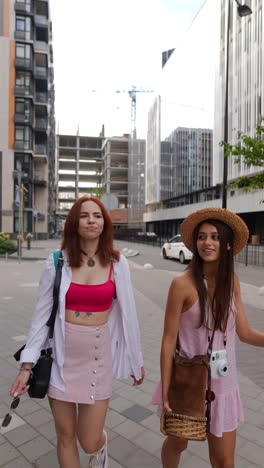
237	225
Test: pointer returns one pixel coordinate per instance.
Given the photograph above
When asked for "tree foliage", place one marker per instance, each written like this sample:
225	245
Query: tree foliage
250	150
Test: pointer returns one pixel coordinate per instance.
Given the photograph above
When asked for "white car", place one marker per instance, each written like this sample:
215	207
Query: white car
175	248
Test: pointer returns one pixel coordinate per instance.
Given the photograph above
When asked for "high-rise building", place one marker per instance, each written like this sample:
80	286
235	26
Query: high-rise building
27	123
136	181
79	169
245	103
246	83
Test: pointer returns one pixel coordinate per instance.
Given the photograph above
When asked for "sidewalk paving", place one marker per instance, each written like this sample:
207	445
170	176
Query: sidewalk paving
132	425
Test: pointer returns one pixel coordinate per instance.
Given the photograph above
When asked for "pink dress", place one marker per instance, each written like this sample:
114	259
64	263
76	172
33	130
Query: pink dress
226	410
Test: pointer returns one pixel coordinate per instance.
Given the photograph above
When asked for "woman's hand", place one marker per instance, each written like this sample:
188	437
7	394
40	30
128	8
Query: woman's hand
139	382
20	385
165	409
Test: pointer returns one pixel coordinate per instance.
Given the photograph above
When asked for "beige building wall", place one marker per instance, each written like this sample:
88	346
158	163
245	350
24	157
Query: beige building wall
6	111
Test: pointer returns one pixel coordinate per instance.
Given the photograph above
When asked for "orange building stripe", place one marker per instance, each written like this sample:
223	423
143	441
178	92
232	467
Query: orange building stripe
6	7
11	126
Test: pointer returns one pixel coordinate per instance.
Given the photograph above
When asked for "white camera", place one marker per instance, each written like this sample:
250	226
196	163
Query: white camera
219	364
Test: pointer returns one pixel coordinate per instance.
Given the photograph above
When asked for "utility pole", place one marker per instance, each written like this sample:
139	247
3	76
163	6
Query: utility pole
18	204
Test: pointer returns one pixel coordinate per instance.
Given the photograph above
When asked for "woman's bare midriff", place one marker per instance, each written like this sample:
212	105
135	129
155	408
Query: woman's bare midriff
93	319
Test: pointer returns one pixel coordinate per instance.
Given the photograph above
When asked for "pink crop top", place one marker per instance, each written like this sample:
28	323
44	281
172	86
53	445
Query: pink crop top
91	297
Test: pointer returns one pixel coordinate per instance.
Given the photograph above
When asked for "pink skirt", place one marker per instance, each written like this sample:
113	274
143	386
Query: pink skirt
87	365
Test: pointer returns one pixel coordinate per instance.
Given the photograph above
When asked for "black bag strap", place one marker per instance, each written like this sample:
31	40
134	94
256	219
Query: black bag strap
56	288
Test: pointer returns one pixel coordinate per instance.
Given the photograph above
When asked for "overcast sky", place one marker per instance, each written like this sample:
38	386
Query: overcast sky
101	46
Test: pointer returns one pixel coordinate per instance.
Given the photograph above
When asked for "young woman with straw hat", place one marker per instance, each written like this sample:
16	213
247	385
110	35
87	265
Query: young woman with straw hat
206	297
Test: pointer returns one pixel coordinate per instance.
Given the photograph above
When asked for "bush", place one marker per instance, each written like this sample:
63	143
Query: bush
3	236
7	246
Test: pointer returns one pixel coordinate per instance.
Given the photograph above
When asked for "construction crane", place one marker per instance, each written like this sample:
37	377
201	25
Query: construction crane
133	96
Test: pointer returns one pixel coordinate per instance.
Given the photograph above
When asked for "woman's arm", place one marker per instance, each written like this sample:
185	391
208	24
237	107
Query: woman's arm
246	333
38	329
175	302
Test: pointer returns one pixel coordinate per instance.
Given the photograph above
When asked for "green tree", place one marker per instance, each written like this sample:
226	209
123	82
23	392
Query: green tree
251	151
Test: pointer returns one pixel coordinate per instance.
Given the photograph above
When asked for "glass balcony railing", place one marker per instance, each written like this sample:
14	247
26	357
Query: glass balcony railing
41	97
25	8
25	63
41	72
25	118
41	124
23	91
40	149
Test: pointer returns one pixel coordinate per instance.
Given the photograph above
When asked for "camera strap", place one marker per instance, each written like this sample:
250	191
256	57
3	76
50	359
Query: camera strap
209	315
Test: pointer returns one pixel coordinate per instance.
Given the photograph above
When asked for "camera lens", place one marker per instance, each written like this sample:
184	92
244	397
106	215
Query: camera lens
223	368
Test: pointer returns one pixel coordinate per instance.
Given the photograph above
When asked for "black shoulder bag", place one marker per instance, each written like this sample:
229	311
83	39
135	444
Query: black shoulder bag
39	380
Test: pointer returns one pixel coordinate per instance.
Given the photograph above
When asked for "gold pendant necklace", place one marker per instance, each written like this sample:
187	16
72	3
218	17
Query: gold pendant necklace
90	261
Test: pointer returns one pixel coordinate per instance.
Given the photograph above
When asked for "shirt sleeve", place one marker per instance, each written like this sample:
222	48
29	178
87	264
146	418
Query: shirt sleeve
38	332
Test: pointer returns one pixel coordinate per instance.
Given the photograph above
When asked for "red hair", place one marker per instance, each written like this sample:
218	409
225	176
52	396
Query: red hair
71	240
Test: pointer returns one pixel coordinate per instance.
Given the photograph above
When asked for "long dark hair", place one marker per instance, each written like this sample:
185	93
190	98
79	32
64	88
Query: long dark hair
71	240
224	278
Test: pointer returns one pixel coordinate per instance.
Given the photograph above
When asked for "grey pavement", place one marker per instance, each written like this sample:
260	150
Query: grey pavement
132	425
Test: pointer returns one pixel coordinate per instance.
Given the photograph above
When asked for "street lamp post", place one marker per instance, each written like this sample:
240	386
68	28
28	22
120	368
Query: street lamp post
243	10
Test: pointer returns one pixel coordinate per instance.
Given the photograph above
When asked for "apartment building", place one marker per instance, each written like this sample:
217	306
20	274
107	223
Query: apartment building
79	169
91	165
27	124
136	182
245	102
115	175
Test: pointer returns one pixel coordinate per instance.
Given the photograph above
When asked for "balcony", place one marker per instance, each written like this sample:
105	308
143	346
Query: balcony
23	118
24	63
41	98
23	35
41	46
22	146
41	124
21	7
41	72
41	20
24	91
40	149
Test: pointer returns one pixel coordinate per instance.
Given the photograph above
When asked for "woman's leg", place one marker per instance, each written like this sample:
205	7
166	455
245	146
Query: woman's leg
171	451
91	420
222	450
65	417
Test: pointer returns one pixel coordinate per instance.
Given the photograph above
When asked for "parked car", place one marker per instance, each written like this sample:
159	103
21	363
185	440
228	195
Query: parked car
175	248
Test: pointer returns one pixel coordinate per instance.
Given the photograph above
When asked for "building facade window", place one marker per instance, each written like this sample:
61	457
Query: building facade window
23	137
23	27
23	80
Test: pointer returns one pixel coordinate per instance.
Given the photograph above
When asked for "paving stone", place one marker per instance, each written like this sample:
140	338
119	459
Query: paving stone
152	422
38	417
48	460
120	449
113	419
137	413
195	462
149	441
129	429
18	463
142	459
27	407
252	452
120	404
21	435
8	453
114	464
16	421
37	447
48	431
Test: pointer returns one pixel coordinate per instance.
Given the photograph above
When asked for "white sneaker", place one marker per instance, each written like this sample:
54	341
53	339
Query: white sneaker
100	458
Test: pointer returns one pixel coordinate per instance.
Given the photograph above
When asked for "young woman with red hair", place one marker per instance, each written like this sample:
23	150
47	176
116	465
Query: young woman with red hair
96	334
